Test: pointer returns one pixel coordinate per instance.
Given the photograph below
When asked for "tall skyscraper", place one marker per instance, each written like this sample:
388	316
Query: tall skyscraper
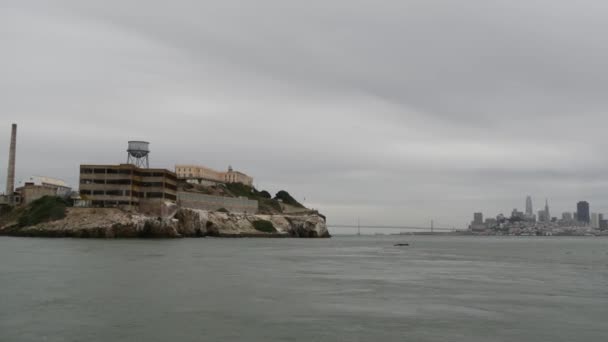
582	212
547	212
529	209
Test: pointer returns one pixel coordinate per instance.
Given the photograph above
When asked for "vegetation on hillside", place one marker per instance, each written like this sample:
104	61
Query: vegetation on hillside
264	226
286	198
45	209
242	190
267	204
265	194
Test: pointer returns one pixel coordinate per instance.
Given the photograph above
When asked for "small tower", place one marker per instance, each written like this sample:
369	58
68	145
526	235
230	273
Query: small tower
137	154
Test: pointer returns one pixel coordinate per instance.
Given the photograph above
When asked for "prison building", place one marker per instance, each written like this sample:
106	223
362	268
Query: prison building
207	176
126	185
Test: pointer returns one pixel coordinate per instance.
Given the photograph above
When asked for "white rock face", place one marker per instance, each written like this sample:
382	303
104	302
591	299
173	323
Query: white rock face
112	223
194	222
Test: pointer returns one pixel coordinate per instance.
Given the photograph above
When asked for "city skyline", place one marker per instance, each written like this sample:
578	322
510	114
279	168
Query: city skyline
580	206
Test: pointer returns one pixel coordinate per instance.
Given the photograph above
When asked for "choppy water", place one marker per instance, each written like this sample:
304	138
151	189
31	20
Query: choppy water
341	289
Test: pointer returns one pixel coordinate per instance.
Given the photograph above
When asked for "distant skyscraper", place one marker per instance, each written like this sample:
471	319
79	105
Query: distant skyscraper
478	218
515	214
547	212
542	217
529	209
567	216
582	212
595	220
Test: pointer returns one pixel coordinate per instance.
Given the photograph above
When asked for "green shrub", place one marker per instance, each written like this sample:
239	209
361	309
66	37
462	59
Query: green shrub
270	205
265	194
45	209
264	226
241	190
287	199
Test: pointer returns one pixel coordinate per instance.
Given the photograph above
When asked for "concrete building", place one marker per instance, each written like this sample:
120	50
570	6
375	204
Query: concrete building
582	212
477	224
30	192
567	216
595	220
490	222
128	186
542	216
478	218
38	187
516	214
207	176
63	189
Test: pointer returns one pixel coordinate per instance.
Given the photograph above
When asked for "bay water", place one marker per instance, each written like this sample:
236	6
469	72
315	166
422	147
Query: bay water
347	288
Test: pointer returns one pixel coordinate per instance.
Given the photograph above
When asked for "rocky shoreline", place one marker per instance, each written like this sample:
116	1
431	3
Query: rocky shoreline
116	223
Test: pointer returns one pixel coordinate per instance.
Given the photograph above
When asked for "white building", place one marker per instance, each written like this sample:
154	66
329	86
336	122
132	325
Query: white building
63	189
595	220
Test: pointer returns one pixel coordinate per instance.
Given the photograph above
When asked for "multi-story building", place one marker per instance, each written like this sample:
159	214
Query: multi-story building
38	187
126	185
542	216
477	224
595	220
208	176
478	218
582	212
516	214
63	189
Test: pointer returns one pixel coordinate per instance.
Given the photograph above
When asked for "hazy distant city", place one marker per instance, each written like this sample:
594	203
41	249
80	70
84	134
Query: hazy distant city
579	222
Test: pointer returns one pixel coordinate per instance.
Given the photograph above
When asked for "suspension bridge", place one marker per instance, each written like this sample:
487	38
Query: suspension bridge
379	227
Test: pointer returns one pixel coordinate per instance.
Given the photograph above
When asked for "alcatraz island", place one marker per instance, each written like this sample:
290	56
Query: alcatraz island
132	200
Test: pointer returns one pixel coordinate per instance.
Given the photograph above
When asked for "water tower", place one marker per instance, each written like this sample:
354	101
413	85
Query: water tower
137	153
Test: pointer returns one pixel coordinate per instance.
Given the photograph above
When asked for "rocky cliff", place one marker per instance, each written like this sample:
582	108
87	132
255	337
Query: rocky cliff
116	223
205	223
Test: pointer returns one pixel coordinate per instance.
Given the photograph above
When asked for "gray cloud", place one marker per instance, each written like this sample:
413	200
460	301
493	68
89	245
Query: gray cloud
394	111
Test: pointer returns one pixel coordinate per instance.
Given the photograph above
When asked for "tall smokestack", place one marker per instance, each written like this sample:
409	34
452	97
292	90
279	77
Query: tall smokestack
10	178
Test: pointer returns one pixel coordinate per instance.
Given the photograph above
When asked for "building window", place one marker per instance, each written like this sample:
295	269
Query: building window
154	195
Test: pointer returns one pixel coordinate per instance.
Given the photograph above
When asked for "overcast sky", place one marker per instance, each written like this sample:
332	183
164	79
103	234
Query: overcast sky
398	112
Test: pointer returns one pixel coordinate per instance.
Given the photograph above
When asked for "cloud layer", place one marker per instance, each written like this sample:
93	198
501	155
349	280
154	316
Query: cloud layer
397	112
